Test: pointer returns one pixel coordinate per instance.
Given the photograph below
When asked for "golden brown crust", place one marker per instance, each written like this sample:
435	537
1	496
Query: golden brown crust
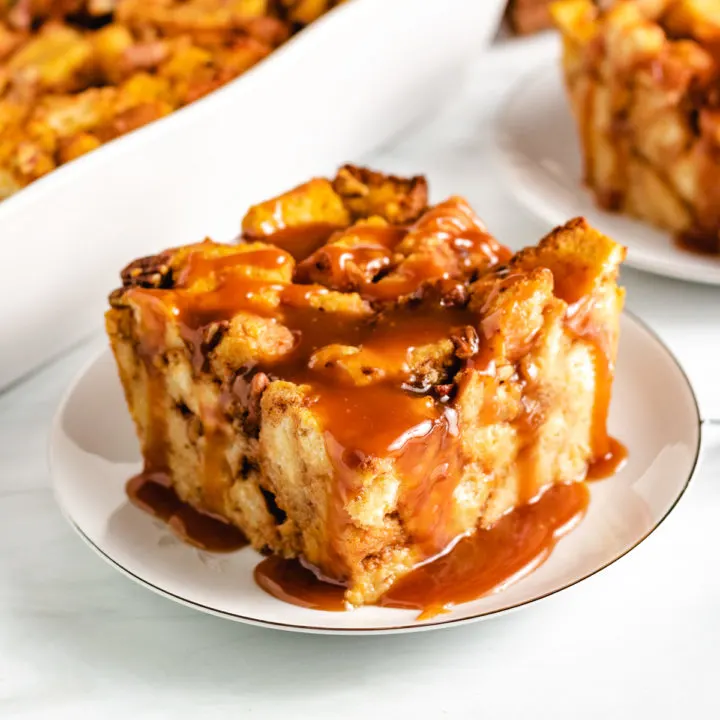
311	203
365	193
285	393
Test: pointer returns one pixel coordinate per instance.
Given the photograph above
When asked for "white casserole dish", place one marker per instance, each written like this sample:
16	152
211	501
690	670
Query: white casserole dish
341	87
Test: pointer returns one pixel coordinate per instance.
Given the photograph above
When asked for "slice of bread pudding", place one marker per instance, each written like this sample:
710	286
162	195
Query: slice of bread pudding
362	379
643	80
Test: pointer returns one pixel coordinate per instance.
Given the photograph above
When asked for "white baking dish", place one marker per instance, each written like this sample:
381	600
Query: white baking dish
343	86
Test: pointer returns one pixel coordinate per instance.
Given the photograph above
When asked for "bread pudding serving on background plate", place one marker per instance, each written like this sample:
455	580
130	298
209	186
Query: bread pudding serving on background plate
363	379
644	87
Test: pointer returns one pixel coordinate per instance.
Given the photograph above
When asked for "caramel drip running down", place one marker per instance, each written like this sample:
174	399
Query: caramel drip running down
491	559
151	490
150	347
613	461
215	471
155	449
482	563
580	322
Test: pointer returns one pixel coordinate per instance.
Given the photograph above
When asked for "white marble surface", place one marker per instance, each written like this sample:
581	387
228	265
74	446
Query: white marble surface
78	640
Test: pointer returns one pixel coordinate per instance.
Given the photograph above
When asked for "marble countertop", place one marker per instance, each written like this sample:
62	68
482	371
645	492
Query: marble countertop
78	640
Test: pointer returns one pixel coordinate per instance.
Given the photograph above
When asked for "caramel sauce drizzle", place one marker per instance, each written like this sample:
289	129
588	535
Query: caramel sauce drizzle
381	419
393	416
300	241
580	322
607	465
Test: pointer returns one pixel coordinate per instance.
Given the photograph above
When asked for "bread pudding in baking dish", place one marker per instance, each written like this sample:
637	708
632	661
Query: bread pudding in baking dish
75	74
644	87
362	379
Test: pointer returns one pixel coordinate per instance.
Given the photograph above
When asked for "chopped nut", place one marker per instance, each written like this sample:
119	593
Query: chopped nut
116	298
466	342
148	272
214	334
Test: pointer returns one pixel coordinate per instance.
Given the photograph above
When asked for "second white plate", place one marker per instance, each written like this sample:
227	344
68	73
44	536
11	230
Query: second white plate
94	450
539	150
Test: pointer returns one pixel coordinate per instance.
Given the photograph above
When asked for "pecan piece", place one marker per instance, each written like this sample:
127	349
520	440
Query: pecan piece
117	297
210	338
213	334
466	342
148	272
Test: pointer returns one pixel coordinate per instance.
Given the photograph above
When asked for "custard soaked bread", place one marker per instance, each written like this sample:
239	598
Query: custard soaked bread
362	379
644	85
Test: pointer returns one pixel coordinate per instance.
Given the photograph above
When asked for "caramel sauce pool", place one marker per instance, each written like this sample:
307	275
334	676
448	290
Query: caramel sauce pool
152	493
290	581
486	561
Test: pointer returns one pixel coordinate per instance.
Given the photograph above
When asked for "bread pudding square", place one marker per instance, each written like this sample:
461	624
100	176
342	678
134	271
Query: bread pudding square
362	378
643	82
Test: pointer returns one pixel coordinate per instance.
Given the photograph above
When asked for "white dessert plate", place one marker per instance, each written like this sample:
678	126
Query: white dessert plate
540	153
94	451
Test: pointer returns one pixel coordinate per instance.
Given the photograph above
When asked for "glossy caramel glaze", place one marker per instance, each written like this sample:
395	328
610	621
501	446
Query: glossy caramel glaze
486	561
301	242
610	463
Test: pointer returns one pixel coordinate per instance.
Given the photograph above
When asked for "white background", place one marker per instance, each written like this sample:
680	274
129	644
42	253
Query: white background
642	639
